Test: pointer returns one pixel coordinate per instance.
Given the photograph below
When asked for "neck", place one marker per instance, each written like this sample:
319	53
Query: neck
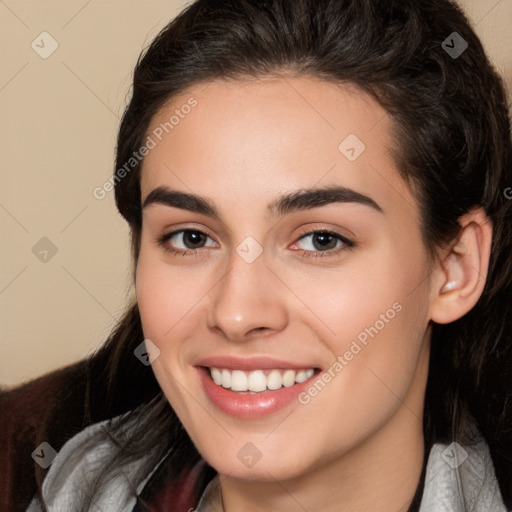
383	470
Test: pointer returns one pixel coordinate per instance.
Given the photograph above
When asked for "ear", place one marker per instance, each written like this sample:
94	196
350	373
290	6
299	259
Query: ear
461	272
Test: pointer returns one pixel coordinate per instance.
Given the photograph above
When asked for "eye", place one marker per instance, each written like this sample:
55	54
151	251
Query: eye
324	244
190	239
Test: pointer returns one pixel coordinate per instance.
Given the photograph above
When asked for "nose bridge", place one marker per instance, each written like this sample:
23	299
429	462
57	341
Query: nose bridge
244	299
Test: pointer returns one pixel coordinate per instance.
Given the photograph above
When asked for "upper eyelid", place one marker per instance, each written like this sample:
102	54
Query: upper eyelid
313	231
170	233
228	230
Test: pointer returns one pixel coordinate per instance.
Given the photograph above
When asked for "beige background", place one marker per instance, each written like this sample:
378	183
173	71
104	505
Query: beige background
59	118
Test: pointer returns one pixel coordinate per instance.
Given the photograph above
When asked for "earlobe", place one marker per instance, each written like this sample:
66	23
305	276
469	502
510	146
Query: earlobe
462	272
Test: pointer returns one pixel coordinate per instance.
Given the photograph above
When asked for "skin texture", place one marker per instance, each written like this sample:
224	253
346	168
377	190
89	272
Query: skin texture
358	444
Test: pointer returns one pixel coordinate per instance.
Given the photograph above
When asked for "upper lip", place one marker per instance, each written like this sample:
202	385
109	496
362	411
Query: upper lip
251	363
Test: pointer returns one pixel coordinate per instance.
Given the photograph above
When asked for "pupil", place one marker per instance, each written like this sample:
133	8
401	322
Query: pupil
324	239
194	236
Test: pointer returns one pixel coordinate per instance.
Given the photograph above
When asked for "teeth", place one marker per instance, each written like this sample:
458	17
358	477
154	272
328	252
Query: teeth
289	378
300	377
226	379
274	380
238	380
216	376
259	380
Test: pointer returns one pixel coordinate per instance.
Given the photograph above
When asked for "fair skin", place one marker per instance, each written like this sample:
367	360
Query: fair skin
358	444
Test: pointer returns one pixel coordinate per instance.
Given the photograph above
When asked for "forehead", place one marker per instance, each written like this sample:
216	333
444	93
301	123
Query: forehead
263	137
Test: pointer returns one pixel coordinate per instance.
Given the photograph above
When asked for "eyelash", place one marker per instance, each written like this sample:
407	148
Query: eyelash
347	244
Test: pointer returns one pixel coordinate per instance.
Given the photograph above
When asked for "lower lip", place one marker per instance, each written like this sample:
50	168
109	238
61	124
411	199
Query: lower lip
246	405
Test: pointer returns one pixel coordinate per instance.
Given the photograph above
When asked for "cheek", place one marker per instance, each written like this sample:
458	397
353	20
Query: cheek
166	301
378	292
373	321
368	328
167	296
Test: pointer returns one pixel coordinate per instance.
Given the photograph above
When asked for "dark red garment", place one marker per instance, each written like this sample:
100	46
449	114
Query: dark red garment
182	495
48	409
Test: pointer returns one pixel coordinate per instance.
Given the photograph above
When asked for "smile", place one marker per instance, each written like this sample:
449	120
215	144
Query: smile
257	390
259	380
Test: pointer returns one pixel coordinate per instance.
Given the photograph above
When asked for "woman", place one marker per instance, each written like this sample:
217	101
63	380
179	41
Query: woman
317	197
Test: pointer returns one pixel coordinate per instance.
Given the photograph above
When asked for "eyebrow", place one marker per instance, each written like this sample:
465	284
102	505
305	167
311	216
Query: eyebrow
303	199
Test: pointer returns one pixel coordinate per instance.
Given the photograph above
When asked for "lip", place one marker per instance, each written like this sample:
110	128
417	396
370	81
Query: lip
252	363
249	405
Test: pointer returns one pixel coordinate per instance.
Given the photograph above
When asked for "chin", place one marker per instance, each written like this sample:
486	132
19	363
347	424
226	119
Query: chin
247	462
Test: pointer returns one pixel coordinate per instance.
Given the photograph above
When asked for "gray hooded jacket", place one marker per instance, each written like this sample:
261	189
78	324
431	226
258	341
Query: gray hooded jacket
458	479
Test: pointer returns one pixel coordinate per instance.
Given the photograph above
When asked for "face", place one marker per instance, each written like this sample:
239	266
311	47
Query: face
290	323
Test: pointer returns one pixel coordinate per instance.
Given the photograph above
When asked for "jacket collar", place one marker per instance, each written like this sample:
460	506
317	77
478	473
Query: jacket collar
458	479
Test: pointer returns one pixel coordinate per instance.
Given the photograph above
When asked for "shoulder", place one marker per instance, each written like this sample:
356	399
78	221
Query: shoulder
55	407
151	475
461	478
75	469
27	419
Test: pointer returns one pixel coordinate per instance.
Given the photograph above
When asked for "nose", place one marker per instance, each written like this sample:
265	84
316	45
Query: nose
247	302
